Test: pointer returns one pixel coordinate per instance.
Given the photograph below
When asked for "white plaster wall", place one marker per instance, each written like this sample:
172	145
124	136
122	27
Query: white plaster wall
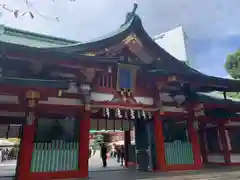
216	158
61	101
12	114
8	99
172	109
165	97
95	96
235	158
173	42
144	100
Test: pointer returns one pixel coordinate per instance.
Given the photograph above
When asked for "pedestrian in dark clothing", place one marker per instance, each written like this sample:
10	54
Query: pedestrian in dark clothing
89	153
104	155
94	152
122	154
118	152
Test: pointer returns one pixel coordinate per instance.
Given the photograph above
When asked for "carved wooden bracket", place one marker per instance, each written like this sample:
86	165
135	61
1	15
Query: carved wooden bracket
32	98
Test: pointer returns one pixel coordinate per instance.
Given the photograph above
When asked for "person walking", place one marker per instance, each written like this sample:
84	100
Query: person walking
122	154
113	151
118	152
104	154
90	153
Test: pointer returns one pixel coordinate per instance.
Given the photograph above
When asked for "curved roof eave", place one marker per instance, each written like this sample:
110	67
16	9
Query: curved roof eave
45	53
213	98
167	61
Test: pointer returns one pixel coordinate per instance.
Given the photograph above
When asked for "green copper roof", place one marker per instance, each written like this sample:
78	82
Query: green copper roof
216	98
12	35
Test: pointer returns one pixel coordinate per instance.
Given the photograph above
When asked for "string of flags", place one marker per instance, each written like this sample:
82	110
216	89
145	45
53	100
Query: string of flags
126	114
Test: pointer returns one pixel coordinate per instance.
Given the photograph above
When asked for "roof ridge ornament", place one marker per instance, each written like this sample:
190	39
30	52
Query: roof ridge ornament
130	15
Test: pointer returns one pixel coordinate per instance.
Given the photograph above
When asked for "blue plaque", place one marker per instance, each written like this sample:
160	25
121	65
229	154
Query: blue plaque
125	78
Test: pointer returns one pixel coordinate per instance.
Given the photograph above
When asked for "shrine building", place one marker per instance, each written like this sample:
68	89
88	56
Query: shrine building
51	96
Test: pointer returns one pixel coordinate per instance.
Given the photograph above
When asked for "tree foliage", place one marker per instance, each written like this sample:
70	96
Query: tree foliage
232	64
14	140
233	95
98	140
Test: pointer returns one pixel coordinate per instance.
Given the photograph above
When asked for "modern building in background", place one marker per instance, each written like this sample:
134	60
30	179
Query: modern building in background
174	42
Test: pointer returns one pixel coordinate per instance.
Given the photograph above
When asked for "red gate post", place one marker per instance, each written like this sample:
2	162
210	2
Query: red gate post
223	140
27	141
194	139
159	140
84	142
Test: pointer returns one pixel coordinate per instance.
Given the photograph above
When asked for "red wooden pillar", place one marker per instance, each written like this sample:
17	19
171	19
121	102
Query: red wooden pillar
193	135
203	145
84	142
223	141
127	142
159	140
27	142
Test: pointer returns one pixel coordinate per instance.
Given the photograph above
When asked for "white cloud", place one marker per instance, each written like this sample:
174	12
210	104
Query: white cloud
87	19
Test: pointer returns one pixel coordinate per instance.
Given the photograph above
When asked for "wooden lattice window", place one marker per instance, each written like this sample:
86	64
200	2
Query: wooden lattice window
106	81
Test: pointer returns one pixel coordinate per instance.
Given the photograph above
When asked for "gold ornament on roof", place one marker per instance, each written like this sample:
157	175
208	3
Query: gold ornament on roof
90	54
172	78
132	37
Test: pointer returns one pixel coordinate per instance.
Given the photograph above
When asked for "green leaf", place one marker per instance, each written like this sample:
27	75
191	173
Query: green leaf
232	65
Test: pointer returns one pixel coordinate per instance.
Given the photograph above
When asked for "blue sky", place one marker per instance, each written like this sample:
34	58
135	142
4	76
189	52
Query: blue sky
212	26
209	54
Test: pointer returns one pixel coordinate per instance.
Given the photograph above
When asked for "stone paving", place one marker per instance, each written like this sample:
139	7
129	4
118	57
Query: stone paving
205	174
115	172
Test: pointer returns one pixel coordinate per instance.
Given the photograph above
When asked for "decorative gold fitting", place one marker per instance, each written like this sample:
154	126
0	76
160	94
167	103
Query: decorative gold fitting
122	92
172	78
87	107
31	94
60	92
32	103
130	38
90	54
